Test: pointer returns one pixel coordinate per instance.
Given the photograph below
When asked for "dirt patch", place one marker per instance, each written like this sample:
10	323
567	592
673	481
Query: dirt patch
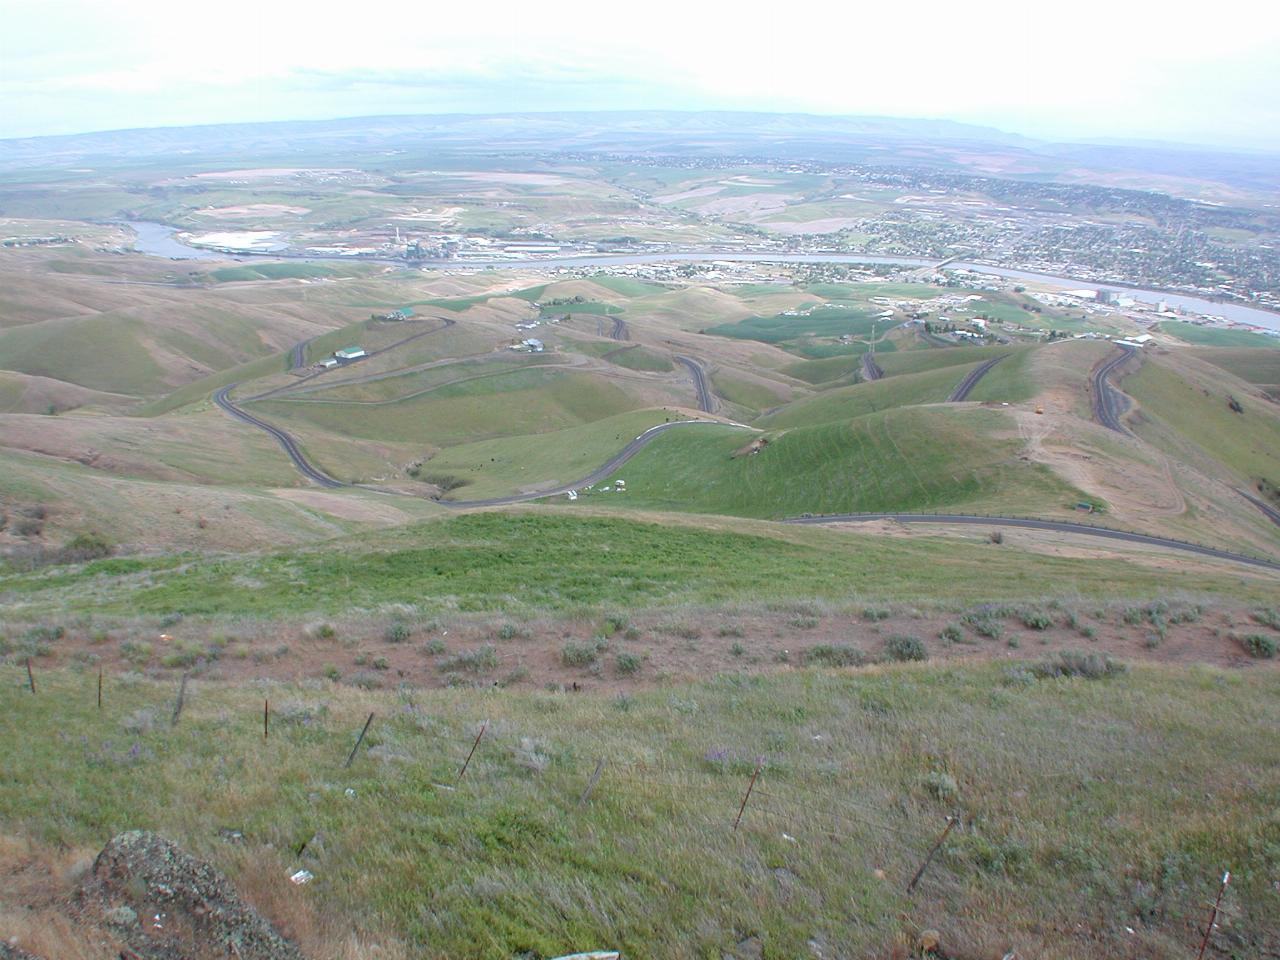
254	210
345	507
653	648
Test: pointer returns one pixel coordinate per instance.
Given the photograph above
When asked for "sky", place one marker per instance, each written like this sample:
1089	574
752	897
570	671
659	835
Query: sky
1194	73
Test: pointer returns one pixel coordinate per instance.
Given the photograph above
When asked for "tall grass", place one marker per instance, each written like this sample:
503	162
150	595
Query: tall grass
1075	822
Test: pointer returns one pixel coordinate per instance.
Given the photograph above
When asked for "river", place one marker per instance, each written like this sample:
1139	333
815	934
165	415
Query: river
156	239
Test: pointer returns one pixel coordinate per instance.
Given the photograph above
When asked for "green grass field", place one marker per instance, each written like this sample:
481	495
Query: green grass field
1247	444
518	403
272	271
792	332
526	561
845	403
898	460
1075	828
496	467
921	361
1215	336
1260	367
1009	381
749	394
824	371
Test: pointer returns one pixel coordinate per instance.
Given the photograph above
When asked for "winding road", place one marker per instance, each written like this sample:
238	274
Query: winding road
620	331
223	399
1270	512
595	476
1109	404
298	358
706	399
963	388
1105	408
299	350
870	369
290	446
1057	526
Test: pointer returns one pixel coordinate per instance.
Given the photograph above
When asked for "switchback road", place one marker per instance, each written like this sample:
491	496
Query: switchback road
1109	404
290	446
706	399
961	392
1057	526
222	399
870	369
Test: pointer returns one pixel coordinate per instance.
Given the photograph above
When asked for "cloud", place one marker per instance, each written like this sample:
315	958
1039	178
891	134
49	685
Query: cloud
1102	68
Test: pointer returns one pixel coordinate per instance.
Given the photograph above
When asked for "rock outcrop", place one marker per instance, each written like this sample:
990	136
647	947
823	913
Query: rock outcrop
167	905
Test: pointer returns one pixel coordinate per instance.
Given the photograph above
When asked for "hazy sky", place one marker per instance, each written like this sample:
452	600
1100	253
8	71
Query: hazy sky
1204	72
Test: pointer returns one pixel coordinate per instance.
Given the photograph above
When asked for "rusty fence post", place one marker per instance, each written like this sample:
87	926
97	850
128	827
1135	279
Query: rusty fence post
359	740
31	678
591	784
99	688
266	717
466	763
951	822
747	796
1213	917
182	698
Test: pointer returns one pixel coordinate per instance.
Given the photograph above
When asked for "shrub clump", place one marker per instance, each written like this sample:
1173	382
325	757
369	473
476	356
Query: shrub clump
574	654
397	632
479	660
1034	619
628	663
1259	645
903	649
1090	666
834	655
86	546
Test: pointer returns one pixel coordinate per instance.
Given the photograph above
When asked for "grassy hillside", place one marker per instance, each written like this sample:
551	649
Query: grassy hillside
522	402
510	464
532	560
845	403
1216	336
825	370
898	460
1077	837
1194	406
921	361
1012	380
1261	367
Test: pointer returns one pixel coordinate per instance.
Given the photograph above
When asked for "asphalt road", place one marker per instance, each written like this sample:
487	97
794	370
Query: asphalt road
298	358
223	400
445	321
1109	404
600	473
312	473
1270	512
961	392
620	331
870	369
1057	526
706	399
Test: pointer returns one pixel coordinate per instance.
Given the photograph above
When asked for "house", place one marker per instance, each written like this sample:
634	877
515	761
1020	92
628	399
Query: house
347	354
533	344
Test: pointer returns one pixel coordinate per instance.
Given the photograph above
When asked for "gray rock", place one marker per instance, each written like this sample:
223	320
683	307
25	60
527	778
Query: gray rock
146	874
121	916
